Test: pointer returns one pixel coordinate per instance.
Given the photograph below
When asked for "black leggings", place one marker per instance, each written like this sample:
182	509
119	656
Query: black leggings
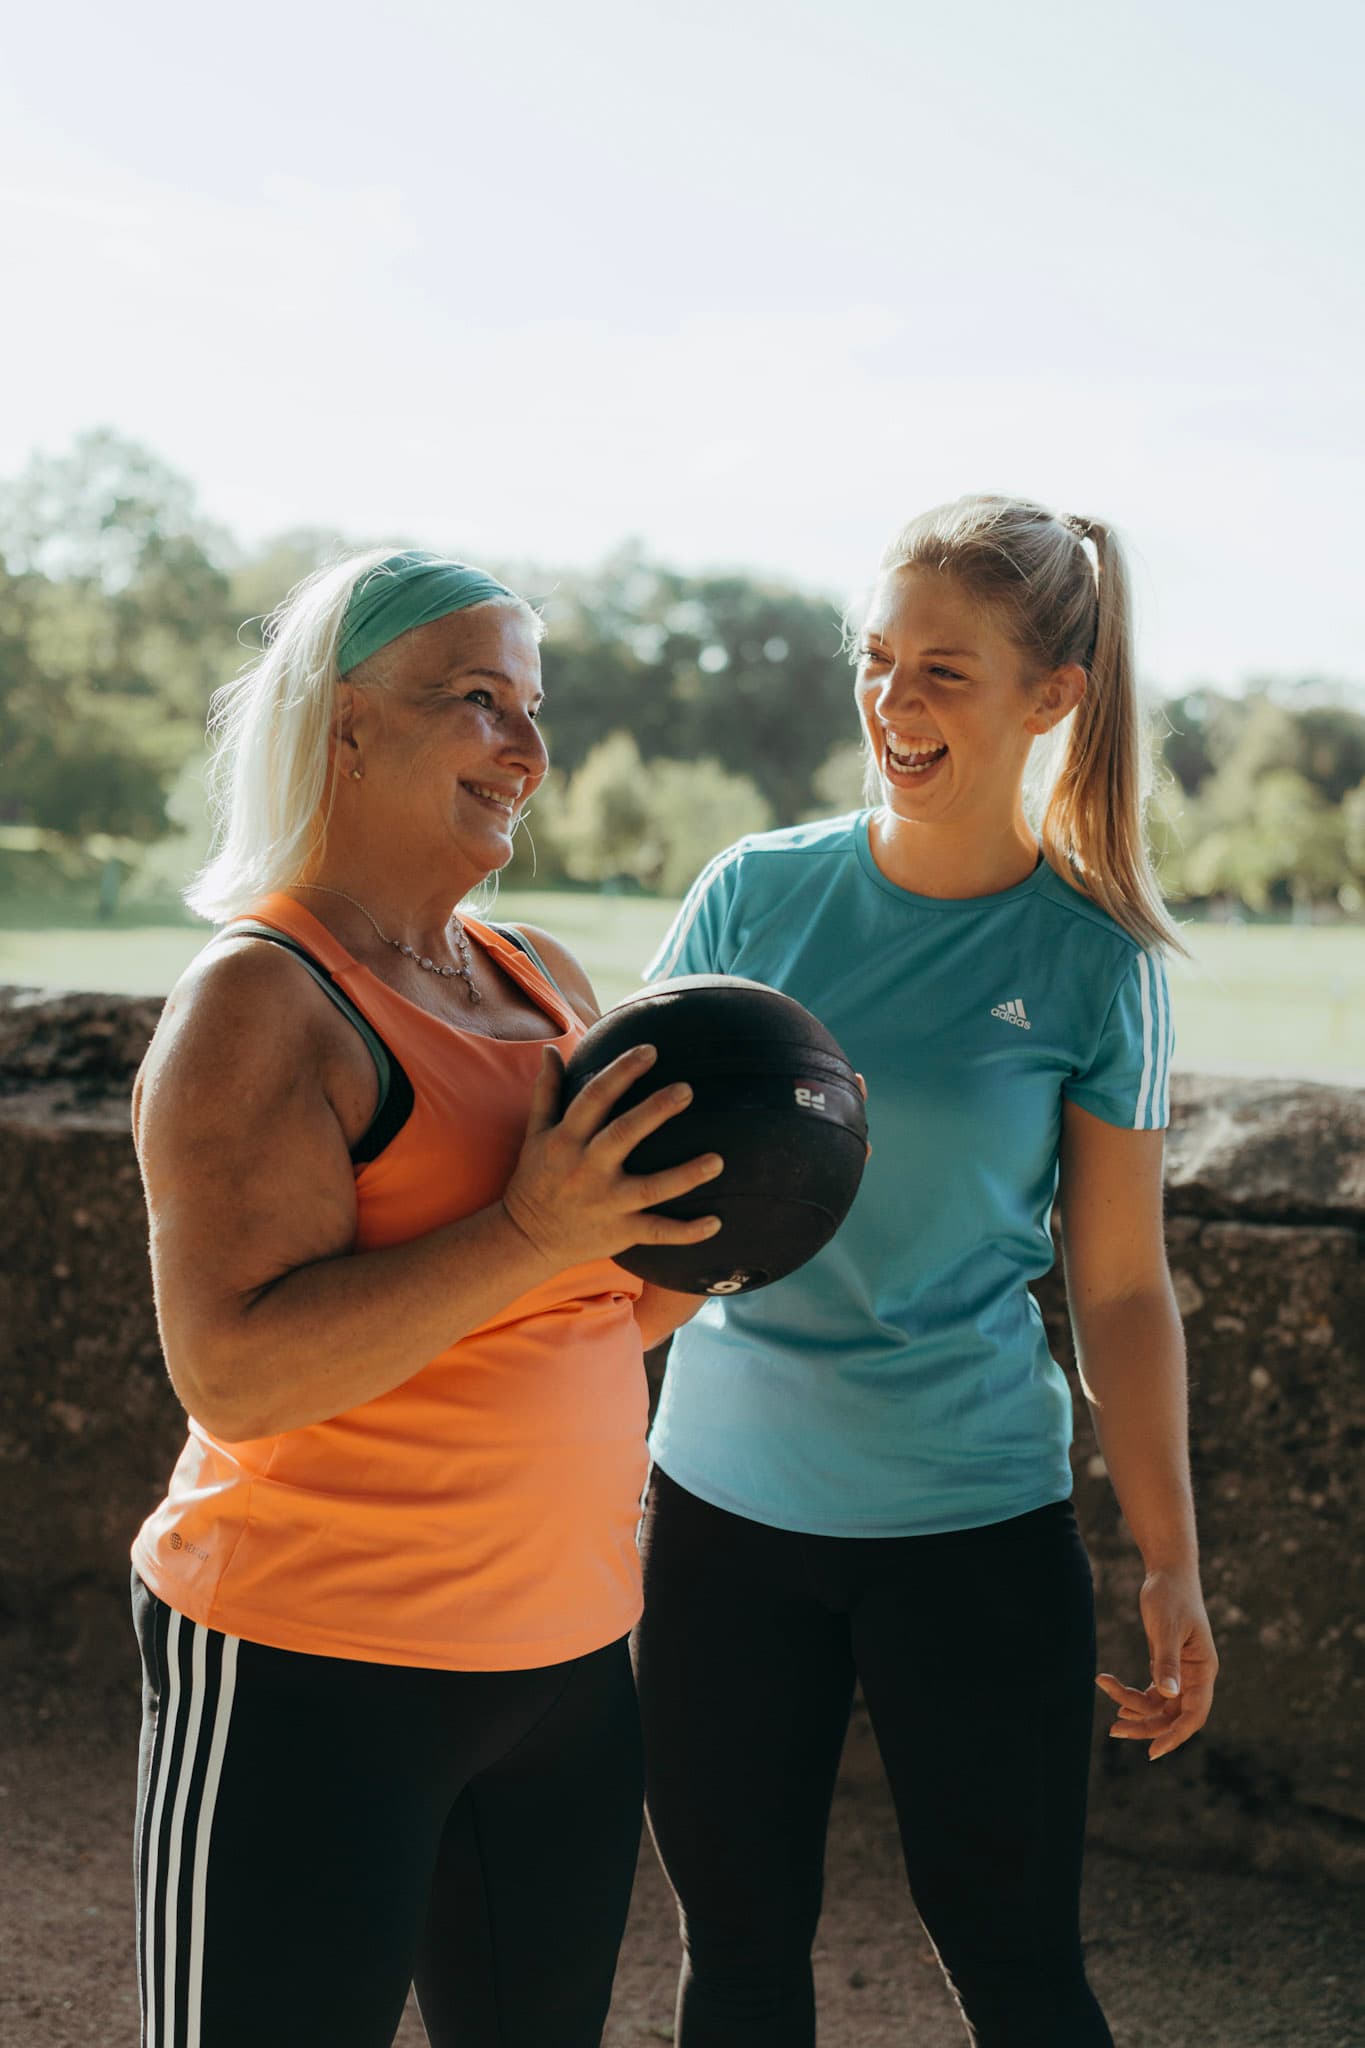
976	1656
314	1835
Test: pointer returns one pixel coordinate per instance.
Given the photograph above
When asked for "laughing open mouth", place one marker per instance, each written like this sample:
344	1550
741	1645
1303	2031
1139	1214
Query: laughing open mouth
913	757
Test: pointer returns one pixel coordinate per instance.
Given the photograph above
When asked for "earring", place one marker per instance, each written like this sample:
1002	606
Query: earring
356	775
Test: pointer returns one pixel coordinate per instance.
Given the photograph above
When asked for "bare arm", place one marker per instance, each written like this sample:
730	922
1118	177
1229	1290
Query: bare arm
1130	1351
269	1320
1130	1347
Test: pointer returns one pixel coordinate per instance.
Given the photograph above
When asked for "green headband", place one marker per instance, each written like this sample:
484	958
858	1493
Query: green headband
405	590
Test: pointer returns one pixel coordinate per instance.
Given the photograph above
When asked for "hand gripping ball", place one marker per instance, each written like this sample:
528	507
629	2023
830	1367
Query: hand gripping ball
772	1093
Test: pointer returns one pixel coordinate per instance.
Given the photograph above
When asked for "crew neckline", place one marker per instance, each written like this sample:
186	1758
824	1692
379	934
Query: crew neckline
867	861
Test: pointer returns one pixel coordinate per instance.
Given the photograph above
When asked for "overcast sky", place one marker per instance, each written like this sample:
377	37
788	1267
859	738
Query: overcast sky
752	282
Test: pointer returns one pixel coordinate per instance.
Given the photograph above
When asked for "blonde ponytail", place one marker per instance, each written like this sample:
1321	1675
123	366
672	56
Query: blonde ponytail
1092	825
1033	570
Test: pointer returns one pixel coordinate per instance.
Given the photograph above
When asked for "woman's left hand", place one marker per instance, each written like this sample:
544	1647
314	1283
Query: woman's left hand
1184	1666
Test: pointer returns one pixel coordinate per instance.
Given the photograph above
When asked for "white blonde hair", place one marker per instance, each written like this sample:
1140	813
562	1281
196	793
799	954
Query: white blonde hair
271	775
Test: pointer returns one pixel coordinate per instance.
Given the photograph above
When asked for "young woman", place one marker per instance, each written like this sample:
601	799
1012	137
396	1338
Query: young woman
390	1730
861	1473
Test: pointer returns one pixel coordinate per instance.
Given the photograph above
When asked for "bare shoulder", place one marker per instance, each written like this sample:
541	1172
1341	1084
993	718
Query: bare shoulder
244	1153
567	970
242	1026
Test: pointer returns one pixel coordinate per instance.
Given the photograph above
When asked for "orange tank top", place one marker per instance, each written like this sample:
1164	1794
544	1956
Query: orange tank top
482	1515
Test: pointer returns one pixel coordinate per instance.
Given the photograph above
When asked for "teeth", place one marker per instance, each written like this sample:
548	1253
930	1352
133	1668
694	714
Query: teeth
496	796
911	759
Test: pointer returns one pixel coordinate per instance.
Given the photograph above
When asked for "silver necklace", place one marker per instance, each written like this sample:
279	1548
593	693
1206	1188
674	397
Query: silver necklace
465	970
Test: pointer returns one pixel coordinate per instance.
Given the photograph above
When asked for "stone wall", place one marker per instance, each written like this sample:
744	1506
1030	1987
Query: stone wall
89	1426
1266	1205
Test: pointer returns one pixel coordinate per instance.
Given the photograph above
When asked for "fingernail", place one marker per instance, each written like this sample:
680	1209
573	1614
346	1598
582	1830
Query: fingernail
1170	1686
680	1092
646	1052
715	1164
712	1225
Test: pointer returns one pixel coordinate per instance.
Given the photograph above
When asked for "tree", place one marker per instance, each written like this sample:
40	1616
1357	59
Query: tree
763	687
606	830
713	667
115	627
1332	749
94	515
263	580
1353	830
654	823
1184	740
1173	828
839	784
681	710
699	810
1289	843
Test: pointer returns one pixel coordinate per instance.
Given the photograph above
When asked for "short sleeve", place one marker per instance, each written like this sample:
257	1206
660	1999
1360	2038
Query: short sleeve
695	941
1128	1080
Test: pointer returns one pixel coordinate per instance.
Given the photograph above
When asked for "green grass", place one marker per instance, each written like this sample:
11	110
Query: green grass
1255	998
132	955
131	959
1272	998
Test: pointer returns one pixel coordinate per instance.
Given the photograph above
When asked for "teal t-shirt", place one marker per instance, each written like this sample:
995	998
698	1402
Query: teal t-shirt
900	1383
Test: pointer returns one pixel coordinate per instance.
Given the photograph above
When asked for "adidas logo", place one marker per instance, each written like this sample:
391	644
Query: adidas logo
1013	1013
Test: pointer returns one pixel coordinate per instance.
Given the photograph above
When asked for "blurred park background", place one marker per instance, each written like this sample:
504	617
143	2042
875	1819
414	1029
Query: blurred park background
671	316
683	709
751	284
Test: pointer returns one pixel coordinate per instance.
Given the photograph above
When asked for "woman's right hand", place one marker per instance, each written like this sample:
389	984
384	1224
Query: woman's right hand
570	1195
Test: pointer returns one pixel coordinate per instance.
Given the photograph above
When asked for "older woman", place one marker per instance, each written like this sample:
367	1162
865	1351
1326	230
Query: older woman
390	1731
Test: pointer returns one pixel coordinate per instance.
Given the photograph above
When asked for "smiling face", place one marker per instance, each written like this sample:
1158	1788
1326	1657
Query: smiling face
948	702
446	744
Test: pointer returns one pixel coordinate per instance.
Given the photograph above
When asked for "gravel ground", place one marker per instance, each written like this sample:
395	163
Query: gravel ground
1221	1960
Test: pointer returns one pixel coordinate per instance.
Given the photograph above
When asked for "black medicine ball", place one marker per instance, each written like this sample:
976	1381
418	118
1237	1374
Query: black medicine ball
773	1094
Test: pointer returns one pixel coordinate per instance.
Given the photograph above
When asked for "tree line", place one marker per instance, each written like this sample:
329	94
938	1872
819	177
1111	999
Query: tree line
681	710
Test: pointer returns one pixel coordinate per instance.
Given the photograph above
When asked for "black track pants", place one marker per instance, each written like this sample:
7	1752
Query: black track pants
976	1656
314	1834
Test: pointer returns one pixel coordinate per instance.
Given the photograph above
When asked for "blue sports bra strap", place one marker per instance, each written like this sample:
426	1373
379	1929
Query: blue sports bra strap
395	1090
523	945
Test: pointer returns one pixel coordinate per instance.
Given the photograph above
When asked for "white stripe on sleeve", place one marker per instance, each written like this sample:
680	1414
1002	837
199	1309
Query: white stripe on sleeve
1161	1106
1170	1048
1140	1118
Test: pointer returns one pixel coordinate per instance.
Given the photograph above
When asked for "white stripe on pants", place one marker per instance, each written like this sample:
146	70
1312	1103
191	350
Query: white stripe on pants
181	1915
